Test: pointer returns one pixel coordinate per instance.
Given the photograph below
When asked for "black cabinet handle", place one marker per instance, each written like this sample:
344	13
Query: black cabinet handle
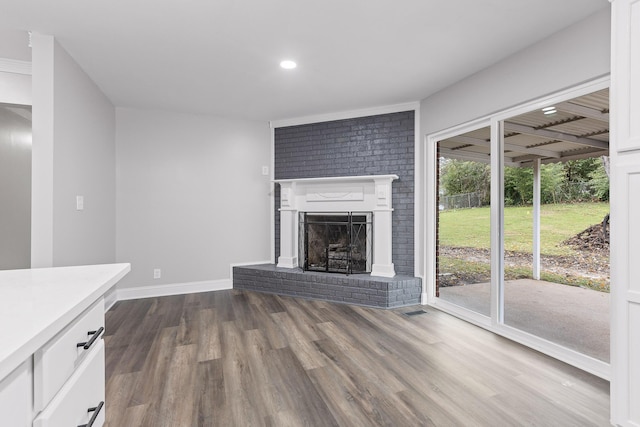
94	337
95	411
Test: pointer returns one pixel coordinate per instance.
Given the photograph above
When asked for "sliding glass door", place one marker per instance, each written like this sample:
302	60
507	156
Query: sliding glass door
521	225
463	221
555	231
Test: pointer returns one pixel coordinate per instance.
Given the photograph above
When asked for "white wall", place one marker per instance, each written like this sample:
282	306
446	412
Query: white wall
73	154
15	187
191	197
15	151
14	44
574	55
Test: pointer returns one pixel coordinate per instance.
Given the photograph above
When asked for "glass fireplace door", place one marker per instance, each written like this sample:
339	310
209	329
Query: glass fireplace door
336	242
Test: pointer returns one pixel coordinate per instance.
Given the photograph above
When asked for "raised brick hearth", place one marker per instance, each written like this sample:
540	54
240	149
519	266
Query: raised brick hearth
361	289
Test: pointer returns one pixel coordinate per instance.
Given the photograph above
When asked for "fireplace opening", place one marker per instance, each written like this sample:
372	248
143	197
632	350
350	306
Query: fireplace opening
336	242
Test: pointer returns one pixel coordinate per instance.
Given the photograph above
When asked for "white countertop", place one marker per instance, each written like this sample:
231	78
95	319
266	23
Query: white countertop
35	304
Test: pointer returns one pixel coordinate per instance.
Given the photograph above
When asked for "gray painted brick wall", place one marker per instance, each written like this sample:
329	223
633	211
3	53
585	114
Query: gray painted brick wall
374	145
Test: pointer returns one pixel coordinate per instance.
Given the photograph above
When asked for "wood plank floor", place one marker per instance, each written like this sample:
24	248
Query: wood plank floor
239	358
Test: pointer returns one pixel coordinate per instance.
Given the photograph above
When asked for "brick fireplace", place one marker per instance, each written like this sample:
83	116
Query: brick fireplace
378	145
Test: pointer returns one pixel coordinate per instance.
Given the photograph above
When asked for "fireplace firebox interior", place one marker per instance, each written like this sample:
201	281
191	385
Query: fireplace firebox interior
336	242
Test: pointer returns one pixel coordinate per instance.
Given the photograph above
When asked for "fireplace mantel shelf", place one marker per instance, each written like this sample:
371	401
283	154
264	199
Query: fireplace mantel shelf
332	179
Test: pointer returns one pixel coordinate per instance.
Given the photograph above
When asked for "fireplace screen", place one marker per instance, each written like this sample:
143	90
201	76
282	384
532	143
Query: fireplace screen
336	242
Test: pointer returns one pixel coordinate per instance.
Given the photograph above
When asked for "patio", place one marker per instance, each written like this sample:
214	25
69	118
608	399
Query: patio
574	317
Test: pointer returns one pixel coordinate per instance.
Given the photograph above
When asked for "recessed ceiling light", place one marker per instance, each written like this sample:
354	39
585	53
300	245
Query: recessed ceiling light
288	64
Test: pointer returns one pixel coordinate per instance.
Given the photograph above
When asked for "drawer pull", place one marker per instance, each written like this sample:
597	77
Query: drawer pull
95	411
94	337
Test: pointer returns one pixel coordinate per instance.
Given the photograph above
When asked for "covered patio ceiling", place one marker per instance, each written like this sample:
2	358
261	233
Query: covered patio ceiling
572	130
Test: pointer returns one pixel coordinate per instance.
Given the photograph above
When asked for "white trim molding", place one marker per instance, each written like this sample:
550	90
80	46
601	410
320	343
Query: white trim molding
319	118
173	289
15	66
419	200
272	199
116	294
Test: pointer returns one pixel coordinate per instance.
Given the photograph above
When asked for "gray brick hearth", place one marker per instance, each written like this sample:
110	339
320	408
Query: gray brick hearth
361	289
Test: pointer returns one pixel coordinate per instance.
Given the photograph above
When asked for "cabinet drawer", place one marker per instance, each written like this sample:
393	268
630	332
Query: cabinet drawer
83	391
57	360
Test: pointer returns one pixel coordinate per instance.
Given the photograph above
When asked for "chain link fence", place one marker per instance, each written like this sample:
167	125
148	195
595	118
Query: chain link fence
460	201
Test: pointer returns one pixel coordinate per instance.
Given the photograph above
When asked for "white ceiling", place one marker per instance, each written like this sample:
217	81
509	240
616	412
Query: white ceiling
221	56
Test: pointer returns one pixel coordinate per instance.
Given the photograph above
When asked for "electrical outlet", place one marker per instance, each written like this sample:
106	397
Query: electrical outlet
265	170
79	203
157	273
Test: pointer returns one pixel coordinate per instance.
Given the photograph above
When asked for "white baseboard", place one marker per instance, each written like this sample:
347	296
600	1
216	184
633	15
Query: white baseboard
120	294
173	289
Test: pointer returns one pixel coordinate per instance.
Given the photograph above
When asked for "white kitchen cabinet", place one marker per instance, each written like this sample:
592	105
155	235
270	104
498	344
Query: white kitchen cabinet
66	380
52	361
57	360
81	399
15	396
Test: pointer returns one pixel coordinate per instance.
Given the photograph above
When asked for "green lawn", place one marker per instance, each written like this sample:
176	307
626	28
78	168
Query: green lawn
470	227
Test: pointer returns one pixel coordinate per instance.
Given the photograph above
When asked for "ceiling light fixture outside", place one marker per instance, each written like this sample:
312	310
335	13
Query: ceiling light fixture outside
287	64
549	110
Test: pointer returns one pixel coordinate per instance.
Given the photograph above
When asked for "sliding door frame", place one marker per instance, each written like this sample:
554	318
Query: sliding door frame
431	210
496	322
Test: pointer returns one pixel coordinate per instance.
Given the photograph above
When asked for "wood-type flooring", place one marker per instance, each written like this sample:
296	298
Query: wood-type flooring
240	358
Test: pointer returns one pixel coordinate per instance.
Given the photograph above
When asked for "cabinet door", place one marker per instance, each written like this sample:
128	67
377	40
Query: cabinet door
15	396
625	213
82	396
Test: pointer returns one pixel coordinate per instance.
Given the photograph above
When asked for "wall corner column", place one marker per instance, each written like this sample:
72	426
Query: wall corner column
43	48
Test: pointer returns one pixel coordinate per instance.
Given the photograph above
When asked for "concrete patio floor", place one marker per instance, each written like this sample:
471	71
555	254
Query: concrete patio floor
573	317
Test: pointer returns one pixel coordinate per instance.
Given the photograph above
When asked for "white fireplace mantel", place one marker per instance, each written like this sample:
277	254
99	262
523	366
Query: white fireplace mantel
366	193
